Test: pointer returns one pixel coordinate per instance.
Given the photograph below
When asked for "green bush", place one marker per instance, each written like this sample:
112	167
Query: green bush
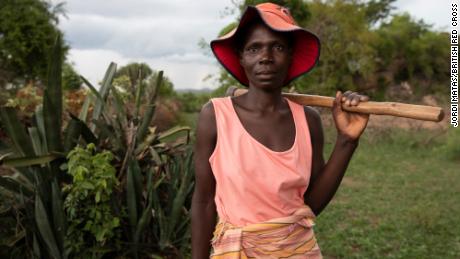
87	205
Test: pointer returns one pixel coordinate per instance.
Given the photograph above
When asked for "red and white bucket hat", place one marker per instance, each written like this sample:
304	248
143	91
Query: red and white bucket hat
306	46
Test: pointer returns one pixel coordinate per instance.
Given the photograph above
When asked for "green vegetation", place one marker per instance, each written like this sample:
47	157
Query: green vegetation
28	29
134	75
76	208
89	214
399	199
365	48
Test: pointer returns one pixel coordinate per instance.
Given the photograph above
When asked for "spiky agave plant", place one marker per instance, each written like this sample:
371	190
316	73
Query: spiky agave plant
155	184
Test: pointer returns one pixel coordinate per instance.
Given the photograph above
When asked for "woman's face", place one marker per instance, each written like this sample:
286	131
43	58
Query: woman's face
265	57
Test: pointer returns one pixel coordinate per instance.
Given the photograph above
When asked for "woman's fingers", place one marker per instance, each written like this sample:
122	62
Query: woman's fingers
364	98
345	95
350	98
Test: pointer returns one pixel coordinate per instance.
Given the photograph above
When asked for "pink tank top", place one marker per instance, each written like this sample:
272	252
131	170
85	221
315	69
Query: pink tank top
253	182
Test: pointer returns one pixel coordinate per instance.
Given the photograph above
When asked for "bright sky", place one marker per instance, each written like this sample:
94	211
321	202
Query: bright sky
165	34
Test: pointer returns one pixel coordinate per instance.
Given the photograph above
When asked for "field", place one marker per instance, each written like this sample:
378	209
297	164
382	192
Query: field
400	198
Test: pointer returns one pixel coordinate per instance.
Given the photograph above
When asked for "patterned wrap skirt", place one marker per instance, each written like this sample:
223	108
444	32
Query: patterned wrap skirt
287	237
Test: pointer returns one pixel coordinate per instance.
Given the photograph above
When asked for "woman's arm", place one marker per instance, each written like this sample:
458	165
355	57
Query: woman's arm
326	177
203	206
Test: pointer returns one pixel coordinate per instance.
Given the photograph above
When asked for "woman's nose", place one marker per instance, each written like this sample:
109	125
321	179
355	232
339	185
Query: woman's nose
266	55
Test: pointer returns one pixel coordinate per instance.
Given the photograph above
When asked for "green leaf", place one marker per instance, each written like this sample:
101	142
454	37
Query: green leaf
104	91
182	170
93	90
143	222
16	131
87	185
148	116
173	131
84	109
36	141
14	186
52	99
36	247
44	227
139	94
29	161
41	127
137	176
86	132
72	134
131	201
59	217
121	113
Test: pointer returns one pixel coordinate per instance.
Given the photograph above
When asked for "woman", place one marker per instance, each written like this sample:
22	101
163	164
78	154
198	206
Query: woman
258	158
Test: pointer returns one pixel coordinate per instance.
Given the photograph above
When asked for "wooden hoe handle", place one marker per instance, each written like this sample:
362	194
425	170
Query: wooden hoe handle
418	112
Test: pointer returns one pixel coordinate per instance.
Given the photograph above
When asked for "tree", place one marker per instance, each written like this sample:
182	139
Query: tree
71	80
135	72
409	50
364	47
377	10
28	29
133	75
347	57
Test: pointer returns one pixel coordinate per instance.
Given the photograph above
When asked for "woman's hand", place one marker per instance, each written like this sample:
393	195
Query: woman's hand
349	124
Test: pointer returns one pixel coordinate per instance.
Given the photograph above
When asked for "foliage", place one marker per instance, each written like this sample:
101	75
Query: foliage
27	30
89	213
298	8
377	10
71	80
26	100
192	102
35	156
136	76
410	51
364	47
143	159
135	73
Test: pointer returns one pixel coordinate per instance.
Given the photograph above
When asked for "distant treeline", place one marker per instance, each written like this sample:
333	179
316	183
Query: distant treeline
366	46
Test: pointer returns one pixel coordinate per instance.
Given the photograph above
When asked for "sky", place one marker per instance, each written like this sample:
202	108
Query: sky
165	34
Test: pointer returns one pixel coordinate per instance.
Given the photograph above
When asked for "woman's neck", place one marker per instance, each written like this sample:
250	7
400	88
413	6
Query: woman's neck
264	100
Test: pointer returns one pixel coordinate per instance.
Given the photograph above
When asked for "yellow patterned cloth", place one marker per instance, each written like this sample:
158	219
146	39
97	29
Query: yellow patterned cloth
288	237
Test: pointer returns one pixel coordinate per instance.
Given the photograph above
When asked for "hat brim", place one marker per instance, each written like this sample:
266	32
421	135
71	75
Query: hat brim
306	48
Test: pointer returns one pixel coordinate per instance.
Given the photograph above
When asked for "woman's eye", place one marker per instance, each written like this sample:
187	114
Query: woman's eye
279	47
251	49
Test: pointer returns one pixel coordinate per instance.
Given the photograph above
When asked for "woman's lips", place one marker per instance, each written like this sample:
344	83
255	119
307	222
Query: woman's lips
268	72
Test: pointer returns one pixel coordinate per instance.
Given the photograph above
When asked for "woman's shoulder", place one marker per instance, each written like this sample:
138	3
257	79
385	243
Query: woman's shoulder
314	122
311	113
206	125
